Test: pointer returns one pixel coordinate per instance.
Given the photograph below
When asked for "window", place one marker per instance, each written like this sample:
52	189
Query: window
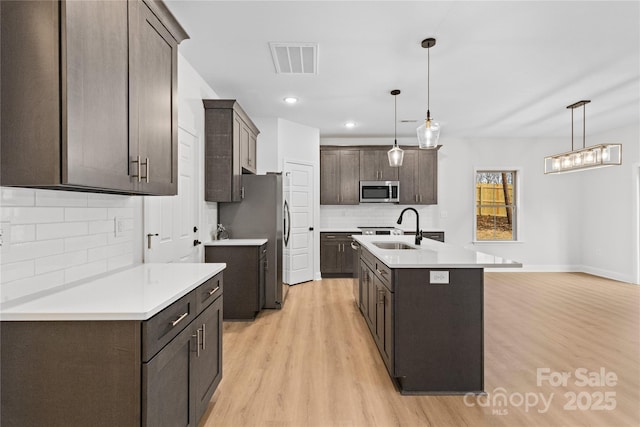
496	213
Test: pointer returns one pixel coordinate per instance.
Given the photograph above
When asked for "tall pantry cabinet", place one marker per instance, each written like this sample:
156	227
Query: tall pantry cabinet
89	95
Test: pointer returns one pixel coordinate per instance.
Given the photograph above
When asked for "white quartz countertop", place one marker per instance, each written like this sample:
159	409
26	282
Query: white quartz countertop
236	242
431	254
136	293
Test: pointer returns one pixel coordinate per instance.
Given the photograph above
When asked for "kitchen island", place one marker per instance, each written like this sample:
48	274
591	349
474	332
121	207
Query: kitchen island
140	347
423	304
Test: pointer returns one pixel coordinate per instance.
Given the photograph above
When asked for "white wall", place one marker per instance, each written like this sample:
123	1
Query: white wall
609	211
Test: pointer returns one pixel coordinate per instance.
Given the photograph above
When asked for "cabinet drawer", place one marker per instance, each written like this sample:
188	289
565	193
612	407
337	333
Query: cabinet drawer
208	292
368	258
384	274
161	328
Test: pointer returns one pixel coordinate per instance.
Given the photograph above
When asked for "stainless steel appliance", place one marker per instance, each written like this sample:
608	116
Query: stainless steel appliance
261	214
370	231
379	191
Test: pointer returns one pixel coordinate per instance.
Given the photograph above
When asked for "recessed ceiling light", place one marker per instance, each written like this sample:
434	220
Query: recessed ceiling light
291	100
350	125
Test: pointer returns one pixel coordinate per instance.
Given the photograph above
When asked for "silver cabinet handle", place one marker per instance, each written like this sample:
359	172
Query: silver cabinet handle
213	291
330	237
179	319
137	162
197	337
380	296
204	337
146	164
148	170
354	246
381	272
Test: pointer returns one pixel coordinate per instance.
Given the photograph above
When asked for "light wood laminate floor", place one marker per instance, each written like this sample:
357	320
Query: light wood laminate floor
314	363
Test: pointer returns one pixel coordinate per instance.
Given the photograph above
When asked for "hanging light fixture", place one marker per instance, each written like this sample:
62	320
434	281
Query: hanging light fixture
596	156
429	132
396	154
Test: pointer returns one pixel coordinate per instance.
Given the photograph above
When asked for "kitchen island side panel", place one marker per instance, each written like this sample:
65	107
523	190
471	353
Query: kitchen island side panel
439	342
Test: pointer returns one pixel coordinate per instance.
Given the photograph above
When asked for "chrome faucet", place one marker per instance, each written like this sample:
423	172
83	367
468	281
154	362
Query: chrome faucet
418	231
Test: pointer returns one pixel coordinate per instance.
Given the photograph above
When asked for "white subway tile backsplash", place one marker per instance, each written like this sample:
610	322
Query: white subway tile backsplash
65	229
17	270
85	214
30	285
85	242
125	236
119	261
23	233
33	215
60	198
31	250
60	262
17	197
95	254
59	237
107	226
120	212
109	201
118	249
85	270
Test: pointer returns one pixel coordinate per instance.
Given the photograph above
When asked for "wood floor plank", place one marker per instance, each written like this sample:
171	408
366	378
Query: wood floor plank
314	363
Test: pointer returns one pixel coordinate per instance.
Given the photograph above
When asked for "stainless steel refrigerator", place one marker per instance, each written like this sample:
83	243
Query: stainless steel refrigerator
261	214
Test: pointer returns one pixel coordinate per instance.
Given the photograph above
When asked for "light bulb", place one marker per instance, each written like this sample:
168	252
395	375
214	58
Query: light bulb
566	162
555	164
396	155
577	159
605	154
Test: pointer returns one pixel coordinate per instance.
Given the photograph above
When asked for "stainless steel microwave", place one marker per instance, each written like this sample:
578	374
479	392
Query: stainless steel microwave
379	191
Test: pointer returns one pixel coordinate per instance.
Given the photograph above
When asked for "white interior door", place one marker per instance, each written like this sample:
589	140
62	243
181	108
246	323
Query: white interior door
298	252
169	221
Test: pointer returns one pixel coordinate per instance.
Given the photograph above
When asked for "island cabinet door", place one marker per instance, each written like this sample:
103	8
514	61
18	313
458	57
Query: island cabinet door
383	323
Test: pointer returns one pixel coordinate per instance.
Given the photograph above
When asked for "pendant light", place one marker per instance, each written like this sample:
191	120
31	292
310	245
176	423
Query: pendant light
396	154
429	132
596	156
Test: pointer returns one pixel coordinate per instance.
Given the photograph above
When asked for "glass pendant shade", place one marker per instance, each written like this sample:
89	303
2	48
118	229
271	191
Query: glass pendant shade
396	155
428	134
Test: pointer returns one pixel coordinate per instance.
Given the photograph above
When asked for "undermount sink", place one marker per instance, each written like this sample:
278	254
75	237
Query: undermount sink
393	245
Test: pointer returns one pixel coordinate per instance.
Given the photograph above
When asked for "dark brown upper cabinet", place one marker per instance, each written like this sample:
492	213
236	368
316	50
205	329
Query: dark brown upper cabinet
374	166
230	149
88	96
418	177
339	176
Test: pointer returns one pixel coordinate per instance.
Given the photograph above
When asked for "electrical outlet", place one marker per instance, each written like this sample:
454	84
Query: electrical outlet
438	277
5	234
119	226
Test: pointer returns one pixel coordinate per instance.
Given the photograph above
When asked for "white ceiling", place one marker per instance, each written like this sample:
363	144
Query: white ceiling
500	69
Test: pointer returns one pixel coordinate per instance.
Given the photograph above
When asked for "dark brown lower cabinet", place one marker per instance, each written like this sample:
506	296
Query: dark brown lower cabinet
102	373
180	380
244	278
336	254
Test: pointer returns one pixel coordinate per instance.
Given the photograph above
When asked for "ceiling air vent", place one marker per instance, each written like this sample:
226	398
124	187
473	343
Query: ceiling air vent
295	58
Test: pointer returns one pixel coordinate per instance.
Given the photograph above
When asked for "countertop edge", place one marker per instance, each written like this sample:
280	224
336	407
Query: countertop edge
53	315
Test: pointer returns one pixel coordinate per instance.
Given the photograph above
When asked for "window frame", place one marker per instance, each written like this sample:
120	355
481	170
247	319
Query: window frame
516	204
